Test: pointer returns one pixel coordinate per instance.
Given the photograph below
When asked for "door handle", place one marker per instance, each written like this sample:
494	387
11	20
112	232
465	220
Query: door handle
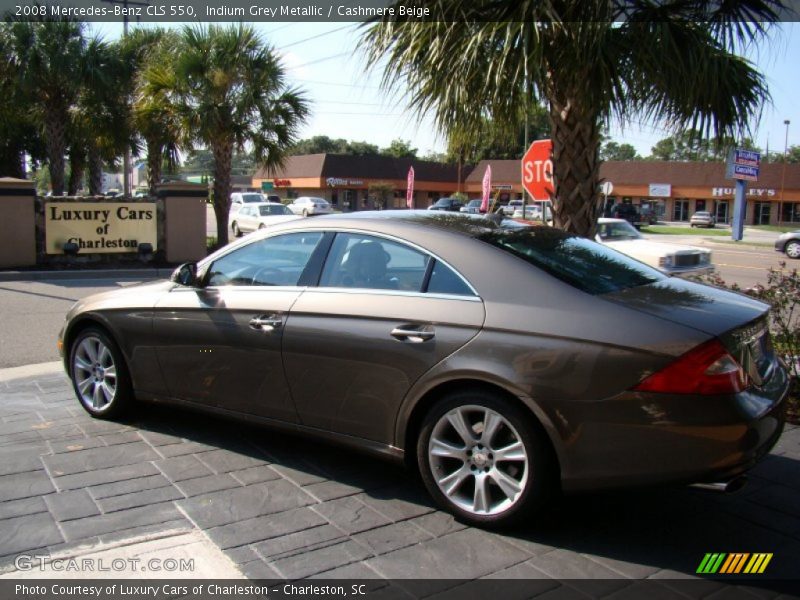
266	323
415	336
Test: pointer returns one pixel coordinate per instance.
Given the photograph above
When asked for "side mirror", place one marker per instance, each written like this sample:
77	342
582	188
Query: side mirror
186	274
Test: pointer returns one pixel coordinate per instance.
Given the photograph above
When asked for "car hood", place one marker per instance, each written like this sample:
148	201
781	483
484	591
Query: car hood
651	248
137	295
708	309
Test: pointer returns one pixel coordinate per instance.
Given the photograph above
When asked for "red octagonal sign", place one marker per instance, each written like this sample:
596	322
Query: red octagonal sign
537	170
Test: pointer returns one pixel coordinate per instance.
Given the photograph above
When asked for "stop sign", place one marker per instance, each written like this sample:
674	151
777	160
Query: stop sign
537	170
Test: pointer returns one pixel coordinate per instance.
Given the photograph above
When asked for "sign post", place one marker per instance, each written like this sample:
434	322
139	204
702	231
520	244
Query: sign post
537	172
743	166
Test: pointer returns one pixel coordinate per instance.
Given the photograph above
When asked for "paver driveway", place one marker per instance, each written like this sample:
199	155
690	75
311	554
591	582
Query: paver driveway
285	507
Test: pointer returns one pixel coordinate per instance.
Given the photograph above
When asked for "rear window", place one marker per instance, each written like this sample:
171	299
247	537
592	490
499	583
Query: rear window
582	263
252	198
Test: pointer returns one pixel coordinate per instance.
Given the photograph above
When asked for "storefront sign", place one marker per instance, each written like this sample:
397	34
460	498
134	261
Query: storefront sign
660	190
757	192
99	226
343	182
743	164
282	182
502	186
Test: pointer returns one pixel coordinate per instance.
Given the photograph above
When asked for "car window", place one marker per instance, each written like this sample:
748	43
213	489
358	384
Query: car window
362	261
444	280
583	264
273	209
252	198
278	260
246	211
610	232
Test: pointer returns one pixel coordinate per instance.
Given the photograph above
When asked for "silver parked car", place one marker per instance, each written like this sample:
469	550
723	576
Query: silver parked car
258	215
505	363
703	218
309	205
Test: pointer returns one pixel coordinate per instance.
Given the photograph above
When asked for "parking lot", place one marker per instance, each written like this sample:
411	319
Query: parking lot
284	507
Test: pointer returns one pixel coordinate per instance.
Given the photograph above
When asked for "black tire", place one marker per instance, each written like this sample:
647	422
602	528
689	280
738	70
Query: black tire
262	226
121	399
792	249
236	231
541	484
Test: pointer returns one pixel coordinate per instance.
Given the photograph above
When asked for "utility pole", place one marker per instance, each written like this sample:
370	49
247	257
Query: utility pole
783	175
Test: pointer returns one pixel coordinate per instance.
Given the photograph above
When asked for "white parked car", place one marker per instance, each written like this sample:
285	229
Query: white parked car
239	199
703	218
253	216
672	259
310	205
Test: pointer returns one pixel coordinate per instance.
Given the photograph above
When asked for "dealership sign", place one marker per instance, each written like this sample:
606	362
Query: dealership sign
98	227
342	182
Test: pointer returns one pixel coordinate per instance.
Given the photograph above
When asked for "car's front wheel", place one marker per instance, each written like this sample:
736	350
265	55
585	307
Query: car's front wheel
792	249
236	231
99	375
483	459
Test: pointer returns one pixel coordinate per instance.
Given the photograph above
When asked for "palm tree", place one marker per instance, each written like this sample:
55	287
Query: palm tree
48	57
589	61
230	91
154	117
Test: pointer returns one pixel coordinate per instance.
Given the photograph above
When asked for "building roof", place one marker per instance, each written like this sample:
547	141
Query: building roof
645	172
367	167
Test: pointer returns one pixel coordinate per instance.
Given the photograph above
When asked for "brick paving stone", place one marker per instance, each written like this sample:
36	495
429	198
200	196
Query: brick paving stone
128	486
258	569
478	555
392	537
101	476
256	475
19	461
182	467
319	560
224	461
74	445
25	506
99	458
141	498
203	485
71	505
237	504
398	503
439	523
117	521
25	485
28	532
359	573
157	438
307	539
281	526
330	490
171	450
351	515
124	437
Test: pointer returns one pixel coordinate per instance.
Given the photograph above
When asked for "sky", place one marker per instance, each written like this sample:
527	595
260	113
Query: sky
324	60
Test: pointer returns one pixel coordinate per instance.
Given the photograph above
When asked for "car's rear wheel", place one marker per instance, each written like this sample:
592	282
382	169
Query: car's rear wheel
99	375
792	249
305	212
485	460
236	231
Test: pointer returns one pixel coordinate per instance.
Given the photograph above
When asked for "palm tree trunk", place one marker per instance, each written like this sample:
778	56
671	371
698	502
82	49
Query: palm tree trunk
55	143
576	166
95	170
223	155
154	152
77	167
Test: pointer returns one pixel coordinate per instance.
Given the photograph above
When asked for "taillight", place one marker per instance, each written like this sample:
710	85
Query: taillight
706	370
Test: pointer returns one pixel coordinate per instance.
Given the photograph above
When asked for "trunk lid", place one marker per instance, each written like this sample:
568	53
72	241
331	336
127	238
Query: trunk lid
740	322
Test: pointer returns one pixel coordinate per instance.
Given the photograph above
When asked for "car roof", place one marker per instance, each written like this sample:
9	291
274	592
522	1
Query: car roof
609	220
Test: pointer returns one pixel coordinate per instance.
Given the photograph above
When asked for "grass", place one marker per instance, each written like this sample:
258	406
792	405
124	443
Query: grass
667	230
743	243
778	228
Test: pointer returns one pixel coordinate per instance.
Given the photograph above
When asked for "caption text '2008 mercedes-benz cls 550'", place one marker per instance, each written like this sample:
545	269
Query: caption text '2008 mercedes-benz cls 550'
504	362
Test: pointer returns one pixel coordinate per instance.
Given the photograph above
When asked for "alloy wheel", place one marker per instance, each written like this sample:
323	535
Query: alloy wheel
478	460
95	374
793	249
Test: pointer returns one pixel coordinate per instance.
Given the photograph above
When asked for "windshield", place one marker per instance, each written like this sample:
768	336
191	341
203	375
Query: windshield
582	263
622	230
474	203
273	209
443	202
252	198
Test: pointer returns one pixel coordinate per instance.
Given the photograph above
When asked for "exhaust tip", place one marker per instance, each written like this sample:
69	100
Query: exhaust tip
727	487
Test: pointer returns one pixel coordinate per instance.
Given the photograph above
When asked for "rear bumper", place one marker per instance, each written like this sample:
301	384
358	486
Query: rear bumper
688	271
649	439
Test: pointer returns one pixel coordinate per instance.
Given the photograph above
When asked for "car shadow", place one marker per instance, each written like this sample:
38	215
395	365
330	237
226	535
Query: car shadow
636	533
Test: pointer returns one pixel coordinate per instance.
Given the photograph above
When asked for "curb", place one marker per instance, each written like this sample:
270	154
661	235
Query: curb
86	274
48	368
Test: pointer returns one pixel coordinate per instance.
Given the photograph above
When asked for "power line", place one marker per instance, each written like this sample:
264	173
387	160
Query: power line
319	60
314	37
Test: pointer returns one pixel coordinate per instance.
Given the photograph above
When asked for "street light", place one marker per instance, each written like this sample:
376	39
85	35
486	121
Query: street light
783	176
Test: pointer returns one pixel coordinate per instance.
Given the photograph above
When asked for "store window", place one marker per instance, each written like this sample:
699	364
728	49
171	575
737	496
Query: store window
681	210
761	212
790	212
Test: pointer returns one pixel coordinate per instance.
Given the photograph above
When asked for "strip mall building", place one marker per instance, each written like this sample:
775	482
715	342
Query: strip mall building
675	190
